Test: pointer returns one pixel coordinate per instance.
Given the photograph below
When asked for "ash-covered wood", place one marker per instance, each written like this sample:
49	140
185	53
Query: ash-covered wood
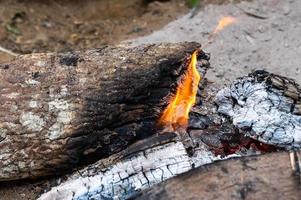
140	166
209	137
137	168
147	155
267	176
155	159
265	107
58	110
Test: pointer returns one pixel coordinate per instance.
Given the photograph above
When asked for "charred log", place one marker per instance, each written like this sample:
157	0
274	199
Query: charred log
158	158
58	110
138	168
267	176
145	160
209	137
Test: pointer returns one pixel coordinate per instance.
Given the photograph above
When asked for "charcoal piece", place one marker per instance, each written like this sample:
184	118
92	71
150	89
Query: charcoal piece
198	121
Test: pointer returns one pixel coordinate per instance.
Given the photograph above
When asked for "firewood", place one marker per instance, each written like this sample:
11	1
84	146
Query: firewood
114	119
267	176
61	110
209	137
139	167
158	158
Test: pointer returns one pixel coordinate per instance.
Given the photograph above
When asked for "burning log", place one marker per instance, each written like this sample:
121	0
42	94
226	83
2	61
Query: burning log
207	137
59	110
145	121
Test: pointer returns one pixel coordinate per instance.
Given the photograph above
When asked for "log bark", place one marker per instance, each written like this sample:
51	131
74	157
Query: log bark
59	110
267	176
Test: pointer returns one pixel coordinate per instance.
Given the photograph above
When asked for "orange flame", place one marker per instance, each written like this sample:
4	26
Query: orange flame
177	112
224	22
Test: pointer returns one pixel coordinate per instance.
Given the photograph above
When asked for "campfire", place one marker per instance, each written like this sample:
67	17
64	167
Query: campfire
133	126
156	117
191	133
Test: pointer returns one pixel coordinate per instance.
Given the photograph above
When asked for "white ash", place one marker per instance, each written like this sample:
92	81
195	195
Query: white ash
262	111
131	175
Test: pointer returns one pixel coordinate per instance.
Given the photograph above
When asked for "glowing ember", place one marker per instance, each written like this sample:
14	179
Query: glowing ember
224	22
177	112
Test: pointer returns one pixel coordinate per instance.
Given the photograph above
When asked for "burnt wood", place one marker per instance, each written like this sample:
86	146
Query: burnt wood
208	138
59	110
153	160
267	176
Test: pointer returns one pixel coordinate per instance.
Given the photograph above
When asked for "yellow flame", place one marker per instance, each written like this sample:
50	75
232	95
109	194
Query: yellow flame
224	22
177	112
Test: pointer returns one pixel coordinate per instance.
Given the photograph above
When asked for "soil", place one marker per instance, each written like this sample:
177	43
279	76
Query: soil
28	26
63	25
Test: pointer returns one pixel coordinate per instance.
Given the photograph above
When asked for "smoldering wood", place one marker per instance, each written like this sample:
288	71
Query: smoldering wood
137	168
266	176
163	155
264	106
209	137
58	110
141	167
158	158
247	104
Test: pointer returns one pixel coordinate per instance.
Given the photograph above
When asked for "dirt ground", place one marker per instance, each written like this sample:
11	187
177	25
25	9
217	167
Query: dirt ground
28	26
63	25
265	35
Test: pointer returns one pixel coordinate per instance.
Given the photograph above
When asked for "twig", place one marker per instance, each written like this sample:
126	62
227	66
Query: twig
251	14
8	51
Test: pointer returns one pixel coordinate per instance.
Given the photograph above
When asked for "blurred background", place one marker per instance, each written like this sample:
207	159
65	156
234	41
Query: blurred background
28	26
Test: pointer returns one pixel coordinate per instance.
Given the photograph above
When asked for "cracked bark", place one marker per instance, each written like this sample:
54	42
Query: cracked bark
137	168
59	110
267	176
